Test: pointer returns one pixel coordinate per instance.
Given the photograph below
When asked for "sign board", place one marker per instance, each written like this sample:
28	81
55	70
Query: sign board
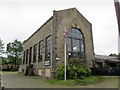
75	48
47	63
57	58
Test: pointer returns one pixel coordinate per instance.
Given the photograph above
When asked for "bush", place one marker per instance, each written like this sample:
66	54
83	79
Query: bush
78	71
73	71
60	71
14	69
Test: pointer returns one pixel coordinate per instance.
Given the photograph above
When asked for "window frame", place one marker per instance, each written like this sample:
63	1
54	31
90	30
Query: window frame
40	51
30	55
24	57
27	56
72	32
34	53
48	50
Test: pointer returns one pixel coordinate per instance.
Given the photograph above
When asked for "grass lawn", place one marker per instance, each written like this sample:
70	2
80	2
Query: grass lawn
86	81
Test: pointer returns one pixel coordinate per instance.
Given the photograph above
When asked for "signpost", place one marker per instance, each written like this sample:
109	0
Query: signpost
65	36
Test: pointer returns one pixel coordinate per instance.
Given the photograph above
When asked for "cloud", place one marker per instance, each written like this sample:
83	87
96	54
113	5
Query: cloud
21	19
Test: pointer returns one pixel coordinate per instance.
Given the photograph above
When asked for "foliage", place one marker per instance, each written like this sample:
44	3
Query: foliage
1	47
79	71
14	52
76	61
117	55
60	71
4	60
14	69
112	54
74	70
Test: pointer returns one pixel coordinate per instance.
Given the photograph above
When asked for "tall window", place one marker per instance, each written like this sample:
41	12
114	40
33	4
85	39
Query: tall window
30	55
40	56
75	43
48	48
35	53
26	56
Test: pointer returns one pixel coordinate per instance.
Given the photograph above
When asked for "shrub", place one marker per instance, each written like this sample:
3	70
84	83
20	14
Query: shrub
74	70
79	71
60	72
14	69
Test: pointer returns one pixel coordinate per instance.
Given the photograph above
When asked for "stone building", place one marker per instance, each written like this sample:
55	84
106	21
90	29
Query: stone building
44	49
106	61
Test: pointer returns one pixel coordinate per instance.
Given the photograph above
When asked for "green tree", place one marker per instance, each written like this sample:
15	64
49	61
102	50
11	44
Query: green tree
1	47
112	54
14	52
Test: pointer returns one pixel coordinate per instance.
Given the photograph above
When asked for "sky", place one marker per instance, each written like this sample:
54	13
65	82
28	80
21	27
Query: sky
19	19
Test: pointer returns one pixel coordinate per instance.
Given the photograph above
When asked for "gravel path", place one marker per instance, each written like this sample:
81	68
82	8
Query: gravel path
18	80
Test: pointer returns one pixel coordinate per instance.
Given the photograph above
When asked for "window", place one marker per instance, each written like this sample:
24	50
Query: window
26	56
30	55
48	48
40	51
35	53
75	43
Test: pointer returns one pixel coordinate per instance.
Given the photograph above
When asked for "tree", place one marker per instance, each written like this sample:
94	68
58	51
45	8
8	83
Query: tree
112	54
1	47
14	52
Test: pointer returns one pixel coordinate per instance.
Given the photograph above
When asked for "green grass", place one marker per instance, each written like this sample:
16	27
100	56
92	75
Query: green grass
89	80
61	82
83	82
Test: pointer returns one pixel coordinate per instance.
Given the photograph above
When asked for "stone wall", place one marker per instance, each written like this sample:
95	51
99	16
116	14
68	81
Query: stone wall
39	35
68	19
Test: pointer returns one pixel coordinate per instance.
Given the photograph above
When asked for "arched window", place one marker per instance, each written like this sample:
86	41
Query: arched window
75	43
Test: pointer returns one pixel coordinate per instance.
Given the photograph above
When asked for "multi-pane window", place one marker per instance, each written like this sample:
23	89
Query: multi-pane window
48	48
40	56
75	43
26	56
30	55
35	53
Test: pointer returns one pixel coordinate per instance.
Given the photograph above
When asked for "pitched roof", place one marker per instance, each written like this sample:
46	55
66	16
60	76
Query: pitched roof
39	29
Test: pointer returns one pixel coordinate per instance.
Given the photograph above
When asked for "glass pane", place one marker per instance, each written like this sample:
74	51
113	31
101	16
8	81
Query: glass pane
69	42
69	34
75	43
73	35
76	46
48	48
69	49
82	46
77	31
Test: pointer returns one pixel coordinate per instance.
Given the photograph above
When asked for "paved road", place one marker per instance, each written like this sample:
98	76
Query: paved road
17	80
